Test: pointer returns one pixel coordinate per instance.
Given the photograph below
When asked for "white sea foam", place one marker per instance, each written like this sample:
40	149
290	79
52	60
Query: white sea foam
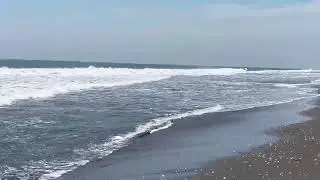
53	170
165	126
67	167
286	85
5	170
20	84
57	169
152	126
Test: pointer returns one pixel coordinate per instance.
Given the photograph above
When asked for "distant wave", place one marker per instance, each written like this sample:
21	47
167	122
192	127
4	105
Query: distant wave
24	83
285	71
20	84
315	82
286	85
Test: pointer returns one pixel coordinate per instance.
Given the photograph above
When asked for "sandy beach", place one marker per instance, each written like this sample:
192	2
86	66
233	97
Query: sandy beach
296	156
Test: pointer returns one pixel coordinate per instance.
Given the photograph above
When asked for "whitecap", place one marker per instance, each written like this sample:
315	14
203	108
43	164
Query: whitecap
25	83
281	85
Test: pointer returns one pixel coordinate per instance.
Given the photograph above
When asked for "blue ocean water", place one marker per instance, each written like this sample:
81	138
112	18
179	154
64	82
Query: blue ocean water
72	119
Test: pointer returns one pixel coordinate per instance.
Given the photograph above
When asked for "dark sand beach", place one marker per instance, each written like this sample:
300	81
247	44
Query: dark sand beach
296	156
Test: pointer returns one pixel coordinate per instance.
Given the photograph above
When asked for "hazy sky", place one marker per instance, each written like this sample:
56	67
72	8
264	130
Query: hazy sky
278	33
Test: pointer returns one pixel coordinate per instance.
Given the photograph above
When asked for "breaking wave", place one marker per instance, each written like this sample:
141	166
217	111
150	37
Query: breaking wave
21	84
116	142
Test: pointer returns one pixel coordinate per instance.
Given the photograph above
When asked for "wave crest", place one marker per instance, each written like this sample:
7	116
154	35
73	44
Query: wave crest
152	126
20	84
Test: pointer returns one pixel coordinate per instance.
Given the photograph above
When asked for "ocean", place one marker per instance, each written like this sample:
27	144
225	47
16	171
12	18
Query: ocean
75	120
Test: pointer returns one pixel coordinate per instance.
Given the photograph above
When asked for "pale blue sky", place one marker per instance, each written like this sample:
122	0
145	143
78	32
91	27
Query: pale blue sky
208	32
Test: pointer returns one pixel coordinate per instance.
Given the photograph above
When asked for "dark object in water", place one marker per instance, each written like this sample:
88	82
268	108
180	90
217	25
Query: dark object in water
143	134
297	160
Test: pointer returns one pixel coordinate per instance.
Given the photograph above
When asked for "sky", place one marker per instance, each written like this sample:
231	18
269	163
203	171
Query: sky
268	33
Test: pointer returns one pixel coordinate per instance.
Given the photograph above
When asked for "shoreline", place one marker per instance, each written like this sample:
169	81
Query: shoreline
295	156
188	134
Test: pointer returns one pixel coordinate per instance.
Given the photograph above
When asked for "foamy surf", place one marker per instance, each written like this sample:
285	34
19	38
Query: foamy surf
116	142
21	84
62	169
165	126
49	170
286	85
152	126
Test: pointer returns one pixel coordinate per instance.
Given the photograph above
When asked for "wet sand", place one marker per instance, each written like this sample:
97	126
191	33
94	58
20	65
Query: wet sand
296	156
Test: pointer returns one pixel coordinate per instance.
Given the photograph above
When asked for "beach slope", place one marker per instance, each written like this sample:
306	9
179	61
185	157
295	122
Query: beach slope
296	156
